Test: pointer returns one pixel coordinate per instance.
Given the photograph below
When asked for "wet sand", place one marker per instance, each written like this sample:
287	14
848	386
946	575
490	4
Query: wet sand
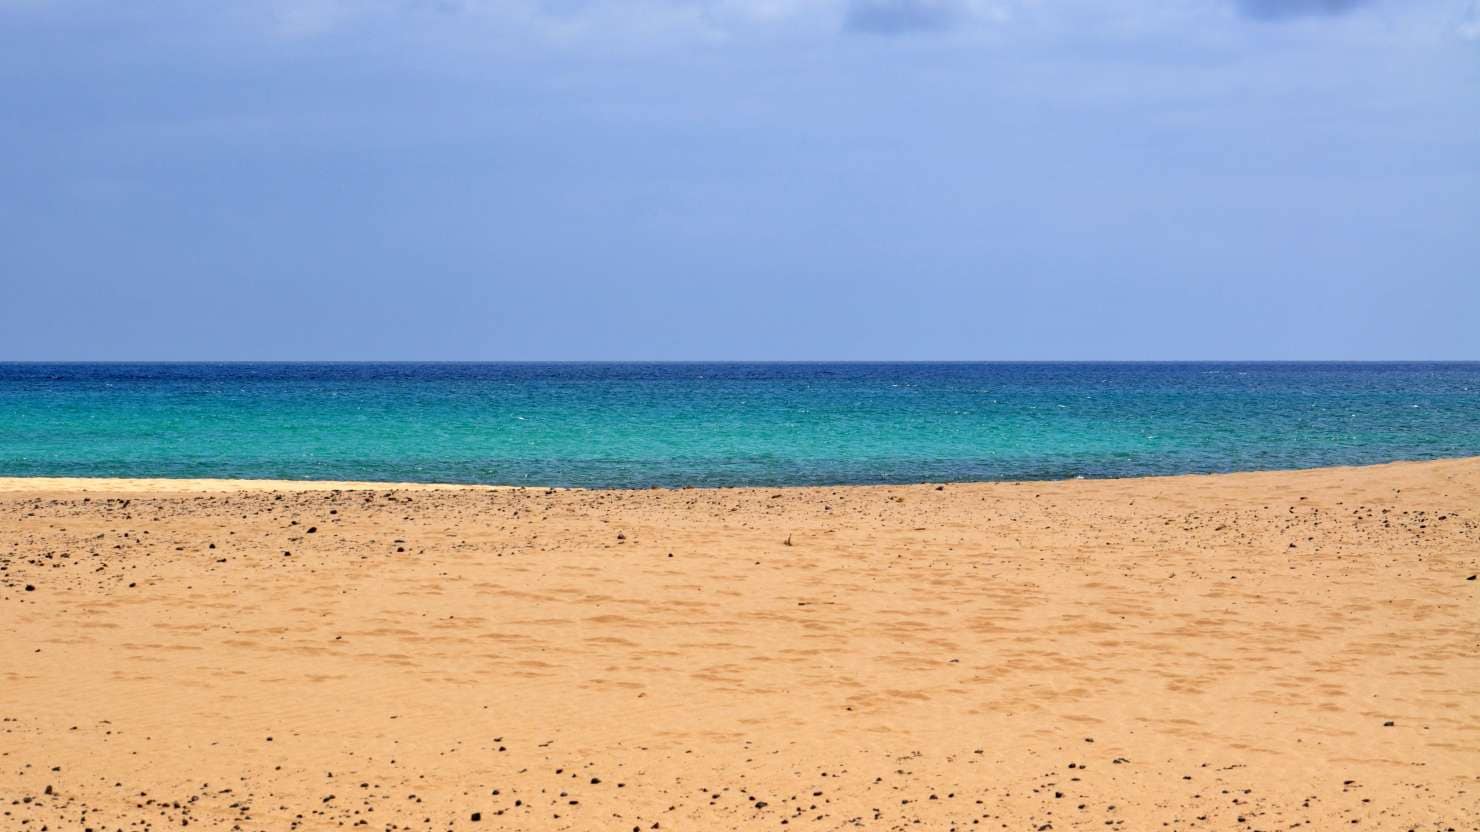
1249	651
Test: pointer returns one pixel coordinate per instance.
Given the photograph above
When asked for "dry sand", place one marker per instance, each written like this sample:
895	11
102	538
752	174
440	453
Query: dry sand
1252	651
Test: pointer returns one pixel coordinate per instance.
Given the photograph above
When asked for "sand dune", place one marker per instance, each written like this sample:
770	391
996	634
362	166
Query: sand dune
1250	651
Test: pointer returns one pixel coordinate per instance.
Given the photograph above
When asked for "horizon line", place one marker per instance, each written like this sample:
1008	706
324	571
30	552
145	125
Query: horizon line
736	361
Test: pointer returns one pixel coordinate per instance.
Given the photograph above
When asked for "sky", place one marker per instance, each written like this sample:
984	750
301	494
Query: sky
739	179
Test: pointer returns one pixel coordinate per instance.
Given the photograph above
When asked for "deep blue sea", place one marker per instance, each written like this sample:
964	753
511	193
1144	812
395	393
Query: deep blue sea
635	425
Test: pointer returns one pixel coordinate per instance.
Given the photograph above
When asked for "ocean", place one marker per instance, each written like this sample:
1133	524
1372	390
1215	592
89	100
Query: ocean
639	425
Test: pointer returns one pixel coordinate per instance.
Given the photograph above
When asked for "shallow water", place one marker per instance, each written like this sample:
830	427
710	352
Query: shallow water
633	425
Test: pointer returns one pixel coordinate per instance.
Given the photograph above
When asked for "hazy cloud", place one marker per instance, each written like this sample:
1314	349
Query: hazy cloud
895	17
1469	24
633	22
1283	9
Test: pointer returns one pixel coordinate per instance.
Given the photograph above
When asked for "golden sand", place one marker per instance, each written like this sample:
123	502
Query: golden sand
1251	651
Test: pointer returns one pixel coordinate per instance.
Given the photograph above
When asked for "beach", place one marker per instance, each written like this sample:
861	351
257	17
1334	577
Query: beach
1259	651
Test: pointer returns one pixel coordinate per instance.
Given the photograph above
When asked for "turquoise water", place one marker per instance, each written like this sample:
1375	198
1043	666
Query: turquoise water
633	425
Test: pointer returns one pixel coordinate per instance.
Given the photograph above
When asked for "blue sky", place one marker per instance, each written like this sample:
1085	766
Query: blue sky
739	179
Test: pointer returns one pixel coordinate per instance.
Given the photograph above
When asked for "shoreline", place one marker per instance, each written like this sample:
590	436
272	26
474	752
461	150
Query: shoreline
190	485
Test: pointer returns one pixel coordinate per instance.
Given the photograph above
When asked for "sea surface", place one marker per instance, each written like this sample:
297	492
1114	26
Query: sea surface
638	425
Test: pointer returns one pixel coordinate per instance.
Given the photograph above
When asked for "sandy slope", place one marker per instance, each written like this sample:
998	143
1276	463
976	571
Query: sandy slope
1255	651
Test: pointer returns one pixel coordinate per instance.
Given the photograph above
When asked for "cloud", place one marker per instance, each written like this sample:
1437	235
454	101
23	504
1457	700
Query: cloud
564	21
897	17
1285	9
635	23
306	18
1469	25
